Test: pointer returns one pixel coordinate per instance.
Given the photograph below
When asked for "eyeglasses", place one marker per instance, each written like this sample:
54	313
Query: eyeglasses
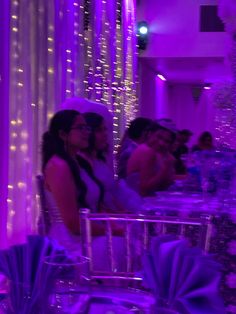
82	127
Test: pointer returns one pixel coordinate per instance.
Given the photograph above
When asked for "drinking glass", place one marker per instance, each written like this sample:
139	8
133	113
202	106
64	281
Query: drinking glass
67	282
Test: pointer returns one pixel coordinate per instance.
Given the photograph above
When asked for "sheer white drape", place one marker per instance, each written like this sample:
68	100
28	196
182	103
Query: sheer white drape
44	65
54	52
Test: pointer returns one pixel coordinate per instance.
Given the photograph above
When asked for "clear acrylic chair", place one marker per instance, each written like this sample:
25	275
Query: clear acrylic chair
138	233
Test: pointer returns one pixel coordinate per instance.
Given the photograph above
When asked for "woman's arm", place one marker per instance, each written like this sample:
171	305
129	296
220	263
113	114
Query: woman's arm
61	183
59	179
152	178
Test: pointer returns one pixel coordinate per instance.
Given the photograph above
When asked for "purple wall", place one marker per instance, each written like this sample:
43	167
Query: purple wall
178	101
174	35
174	30
189	111
147	91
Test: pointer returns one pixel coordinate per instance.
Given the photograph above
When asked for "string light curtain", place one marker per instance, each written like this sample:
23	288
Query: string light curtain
46	39
61	49
110	67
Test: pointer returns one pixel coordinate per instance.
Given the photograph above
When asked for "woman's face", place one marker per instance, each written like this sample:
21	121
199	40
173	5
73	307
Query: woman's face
207	141
101	138
160	140
78	136
166	141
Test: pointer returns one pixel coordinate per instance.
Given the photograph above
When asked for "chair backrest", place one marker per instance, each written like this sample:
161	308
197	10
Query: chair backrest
137	236
44	218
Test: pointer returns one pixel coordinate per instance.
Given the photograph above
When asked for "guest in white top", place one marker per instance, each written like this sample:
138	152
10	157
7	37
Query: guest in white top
71	185
68	183
117	195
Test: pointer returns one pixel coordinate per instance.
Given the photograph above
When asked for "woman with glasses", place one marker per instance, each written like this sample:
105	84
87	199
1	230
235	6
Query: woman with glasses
69	185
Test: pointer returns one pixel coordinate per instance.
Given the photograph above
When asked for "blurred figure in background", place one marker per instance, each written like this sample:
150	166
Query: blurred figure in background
181	149
134	135
205	142
151	166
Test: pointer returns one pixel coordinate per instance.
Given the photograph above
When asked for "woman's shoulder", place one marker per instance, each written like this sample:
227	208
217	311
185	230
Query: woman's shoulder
56	163
57	172
143	153
144	148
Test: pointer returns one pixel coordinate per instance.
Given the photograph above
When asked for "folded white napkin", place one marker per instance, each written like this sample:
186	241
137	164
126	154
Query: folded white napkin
183	277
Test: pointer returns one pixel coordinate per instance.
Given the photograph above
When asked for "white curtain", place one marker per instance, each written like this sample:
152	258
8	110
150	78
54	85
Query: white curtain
58	49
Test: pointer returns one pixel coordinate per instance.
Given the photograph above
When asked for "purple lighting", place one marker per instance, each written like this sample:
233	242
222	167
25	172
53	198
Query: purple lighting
161	77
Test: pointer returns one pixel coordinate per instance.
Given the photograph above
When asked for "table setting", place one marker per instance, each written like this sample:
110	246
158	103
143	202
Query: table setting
42	278
208	190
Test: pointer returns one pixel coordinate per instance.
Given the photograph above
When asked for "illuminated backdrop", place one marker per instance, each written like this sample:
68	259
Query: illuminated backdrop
59	49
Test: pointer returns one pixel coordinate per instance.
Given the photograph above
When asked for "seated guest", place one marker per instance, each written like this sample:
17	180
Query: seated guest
71	185
67	184
117	196
151	166
205	142
134	135
181	149
87	105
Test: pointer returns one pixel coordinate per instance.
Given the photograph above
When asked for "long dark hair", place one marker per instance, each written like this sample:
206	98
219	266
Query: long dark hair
53	145
138	127
94	121
205	135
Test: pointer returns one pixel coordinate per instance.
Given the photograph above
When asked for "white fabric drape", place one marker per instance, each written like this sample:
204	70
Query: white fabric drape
44	65
57	49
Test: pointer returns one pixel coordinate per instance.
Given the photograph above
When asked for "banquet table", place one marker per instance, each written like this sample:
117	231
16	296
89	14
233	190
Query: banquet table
100	300
222	241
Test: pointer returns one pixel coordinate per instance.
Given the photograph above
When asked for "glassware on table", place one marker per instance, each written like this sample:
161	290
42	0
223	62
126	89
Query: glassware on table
113	300
68	284
225	178
104	305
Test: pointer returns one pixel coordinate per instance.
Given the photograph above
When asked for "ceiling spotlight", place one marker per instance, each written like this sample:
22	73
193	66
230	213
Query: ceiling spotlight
207	86
161	77
142	28
142	32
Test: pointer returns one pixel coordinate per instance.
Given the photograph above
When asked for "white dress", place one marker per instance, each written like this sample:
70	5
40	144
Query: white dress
116	192
72	243
58	230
